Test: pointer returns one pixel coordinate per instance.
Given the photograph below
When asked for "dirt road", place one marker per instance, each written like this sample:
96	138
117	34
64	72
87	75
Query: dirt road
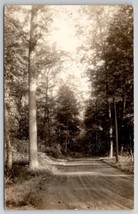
87	184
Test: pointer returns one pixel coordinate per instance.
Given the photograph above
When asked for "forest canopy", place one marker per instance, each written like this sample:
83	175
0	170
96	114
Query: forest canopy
68	81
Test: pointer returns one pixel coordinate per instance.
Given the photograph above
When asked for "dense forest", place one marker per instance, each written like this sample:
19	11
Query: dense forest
47	108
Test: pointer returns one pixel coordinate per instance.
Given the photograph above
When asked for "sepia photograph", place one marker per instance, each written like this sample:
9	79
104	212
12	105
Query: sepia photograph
68	107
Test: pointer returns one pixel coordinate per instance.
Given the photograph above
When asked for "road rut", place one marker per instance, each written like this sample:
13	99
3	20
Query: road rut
88	184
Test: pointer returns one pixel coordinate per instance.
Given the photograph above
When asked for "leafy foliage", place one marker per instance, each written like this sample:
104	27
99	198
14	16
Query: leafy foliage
113	78
66	116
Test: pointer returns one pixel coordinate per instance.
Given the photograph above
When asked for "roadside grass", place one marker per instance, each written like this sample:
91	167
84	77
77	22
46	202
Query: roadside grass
125	163
22	189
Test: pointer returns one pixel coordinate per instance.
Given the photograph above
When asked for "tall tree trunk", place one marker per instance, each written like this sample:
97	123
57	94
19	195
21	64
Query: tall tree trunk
121	149
46	116
96	141
110	130
131	148
123	124
66	143
33	159
111	151
96	135
7	139
116	130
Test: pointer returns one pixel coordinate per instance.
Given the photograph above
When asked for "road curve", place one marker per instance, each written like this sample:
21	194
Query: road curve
88	184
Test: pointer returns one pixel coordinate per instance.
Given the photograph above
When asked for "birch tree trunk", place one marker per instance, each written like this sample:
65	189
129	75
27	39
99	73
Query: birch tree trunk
33	159
46	116
124	113
110	131
7	139
116	131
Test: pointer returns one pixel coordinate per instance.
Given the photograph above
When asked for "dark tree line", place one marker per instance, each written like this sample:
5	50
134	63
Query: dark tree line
109	112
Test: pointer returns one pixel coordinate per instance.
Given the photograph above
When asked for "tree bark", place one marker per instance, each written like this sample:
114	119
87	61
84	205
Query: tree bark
7	139
123	125
110	131
66	146
121	150
46	116
33	159
131	148
116	131
66	143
